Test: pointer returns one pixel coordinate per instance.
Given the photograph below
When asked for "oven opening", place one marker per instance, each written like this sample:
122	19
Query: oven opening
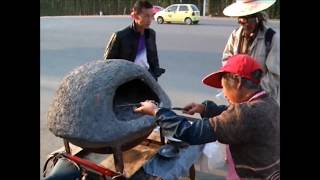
127	95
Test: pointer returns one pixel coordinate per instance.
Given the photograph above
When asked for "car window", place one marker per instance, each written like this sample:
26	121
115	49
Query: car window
194	8
183	8
172	8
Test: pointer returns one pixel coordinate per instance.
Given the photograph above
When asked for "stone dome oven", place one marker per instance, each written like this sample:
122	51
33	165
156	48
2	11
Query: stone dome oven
87	109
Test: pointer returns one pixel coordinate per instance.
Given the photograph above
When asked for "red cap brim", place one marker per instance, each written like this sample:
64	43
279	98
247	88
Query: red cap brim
213	79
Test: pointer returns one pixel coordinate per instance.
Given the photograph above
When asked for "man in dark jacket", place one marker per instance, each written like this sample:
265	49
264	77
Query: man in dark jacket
249	125
137	42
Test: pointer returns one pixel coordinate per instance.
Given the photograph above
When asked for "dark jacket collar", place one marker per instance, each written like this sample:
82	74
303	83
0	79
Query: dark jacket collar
134	29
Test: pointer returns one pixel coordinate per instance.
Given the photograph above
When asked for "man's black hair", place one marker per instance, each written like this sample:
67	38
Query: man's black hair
140	4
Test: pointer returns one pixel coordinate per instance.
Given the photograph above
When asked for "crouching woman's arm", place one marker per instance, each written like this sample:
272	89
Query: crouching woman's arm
199	132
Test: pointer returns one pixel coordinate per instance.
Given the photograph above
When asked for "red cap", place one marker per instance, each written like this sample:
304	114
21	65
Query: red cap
241	64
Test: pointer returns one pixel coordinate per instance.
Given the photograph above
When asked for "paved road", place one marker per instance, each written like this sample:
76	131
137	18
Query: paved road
187	53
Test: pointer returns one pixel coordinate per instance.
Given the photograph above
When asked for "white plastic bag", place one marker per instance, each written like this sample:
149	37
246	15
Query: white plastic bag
212	159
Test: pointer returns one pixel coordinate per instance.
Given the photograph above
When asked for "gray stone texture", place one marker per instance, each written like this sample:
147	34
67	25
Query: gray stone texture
85	109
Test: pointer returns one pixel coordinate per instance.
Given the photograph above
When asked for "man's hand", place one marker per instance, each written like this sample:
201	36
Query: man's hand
147	107
193	108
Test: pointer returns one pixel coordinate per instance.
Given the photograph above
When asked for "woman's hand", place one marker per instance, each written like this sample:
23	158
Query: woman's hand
193	108
147	107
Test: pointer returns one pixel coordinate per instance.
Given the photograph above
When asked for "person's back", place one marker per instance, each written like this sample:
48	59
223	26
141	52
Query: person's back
255	133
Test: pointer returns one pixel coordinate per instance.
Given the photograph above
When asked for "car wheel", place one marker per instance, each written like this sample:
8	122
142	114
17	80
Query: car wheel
188	21
159	20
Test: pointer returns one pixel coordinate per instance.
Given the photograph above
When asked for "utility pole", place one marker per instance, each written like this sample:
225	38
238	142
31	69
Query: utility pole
204	7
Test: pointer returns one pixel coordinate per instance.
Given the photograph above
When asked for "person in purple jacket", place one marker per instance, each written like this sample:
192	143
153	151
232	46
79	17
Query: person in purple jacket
137	42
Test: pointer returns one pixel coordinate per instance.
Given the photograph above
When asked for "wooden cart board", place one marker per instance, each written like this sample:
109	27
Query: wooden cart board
133	158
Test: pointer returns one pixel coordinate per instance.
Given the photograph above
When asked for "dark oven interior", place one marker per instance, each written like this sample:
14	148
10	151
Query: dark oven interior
127	95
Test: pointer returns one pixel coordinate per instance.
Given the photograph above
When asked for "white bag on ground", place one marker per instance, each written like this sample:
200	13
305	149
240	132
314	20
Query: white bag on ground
212	159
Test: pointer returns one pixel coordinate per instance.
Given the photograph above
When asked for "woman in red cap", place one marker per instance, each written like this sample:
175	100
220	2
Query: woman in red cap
255	38
249	125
